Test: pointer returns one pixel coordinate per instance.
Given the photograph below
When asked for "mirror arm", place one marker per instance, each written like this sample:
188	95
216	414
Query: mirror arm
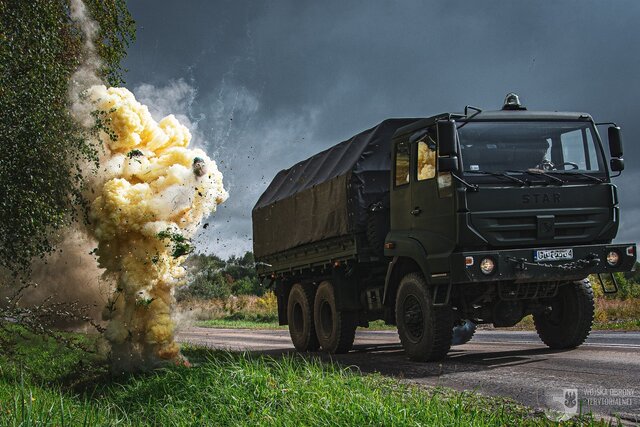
606	123
472	187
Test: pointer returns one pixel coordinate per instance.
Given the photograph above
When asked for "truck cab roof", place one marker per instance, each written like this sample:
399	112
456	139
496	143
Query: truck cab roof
497	115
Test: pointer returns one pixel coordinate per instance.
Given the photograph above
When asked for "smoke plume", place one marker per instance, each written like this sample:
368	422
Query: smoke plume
153	194
147	199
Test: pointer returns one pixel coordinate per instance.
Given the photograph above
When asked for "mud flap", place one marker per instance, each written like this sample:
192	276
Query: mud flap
345	285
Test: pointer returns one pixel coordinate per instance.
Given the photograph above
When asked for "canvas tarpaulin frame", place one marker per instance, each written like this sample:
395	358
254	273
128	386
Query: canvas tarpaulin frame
327	195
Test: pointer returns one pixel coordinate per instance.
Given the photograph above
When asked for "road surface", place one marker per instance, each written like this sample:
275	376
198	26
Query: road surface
605	370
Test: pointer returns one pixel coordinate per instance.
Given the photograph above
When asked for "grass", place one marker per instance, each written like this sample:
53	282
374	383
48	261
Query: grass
45	384
238	324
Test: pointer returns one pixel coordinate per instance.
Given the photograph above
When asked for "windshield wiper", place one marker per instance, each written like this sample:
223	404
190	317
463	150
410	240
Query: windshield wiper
591	177
536	172
499	175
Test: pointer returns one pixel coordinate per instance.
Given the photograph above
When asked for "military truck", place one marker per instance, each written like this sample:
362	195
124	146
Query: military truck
439	224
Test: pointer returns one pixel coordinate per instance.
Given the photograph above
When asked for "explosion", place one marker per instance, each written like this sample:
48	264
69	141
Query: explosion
151	195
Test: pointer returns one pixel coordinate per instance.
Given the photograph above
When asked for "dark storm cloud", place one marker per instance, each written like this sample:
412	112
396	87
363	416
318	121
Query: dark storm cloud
275	82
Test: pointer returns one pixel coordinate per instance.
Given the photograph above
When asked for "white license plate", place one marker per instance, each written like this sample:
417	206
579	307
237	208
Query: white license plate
553	254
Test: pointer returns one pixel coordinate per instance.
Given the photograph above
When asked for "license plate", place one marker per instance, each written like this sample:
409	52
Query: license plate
553	254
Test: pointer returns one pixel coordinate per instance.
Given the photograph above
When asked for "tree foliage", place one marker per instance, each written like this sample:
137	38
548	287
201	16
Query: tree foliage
41	147
211	277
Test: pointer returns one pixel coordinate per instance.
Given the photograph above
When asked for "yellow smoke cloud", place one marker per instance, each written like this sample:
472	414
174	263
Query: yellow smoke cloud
152	194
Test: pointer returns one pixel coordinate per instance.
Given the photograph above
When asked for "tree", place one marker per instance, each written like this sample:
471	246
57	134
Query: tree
41	147
211	277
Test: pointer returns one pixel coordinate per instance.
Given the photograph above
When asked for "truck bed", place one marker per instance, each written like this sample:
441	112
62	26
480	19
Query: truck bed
318	255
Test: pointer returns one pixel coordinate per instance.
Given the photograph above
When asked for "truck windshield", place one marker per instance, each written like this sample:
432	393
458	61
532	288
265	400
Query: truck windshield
511	147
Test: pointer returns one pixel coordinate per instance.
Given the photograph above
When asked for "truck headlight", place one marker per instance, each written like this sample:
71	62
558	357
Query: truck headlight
487	265
613	258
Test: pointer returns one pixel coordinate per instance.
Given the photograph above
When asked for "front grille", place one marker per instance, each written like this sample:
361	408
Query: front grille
523	228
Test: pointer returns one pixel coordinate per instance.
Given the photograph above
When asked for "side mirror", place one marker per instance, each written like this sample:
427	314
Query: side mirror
617	164
447	164
615	142
447	138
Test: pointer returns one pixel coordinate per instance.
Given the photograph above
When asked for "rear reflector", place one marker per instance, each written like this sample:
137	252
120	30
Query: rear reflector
468	261
631	250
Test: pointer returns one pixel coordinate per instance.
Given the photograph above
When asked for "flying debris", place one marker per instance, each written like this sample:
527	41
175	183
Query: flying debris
199	167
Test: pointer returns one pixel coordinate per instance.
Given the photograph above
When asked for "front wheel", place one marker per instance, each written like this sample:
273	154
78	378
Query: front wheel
425	330
568	322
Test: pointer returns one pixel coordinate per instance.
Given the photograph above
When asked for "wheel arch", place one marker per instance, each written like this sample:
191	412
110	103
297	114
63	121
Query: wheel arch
409	256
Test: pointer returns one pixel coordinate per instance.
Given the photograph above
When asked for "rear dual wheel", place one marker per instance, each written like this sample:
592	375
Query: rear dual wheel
300	317
315	321
336	329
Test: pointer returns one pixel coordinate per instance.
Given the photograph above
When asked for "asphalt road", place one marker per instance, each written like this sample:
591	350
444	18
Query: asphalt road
605	370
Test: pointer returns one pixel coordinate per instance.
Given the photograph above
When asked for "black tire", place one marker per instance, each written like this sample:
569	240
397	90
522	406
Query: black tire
300	318
377	229
425	330
336	330
463	333
571	317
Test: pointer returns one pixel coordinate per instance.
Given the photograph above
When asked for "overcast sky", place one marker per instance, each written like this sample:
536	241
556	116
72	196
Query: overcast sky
266	84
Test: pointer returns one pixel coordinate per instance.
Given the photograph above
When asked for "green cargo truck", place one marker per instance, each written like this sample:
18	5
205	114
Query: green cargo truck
439	224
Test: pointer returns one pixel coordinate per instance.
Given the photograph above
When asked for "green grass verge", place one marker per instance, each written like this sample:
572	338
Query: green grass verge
239	324
619	325
44	384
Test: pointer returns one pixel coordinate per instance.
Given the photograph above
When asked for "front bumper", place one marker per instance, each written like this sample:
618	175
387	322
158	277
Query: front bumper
519	264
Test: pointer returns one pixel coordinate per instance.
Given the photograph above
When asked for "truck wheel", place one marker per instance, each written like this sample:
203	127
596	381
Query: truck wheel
569	322
425	330
300	317
336	330
463	333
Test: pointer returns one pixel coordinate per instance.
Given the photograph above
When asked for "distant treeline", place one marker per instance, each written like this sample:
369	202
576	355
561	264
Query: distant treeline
209	276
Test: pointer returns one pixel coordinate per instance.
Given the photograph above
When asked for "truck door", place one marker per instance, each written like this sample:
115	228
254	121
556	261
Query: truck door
401	219
432	206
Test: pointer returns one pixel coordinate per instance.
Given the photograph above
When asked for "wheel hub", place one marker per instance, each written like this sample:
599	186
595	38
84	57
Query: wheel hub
326	319
298	320
413	317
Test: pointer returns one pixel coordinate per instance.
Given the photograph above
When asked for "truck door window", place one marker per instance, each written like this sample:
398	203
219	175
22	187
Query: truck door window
402	163
426	160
